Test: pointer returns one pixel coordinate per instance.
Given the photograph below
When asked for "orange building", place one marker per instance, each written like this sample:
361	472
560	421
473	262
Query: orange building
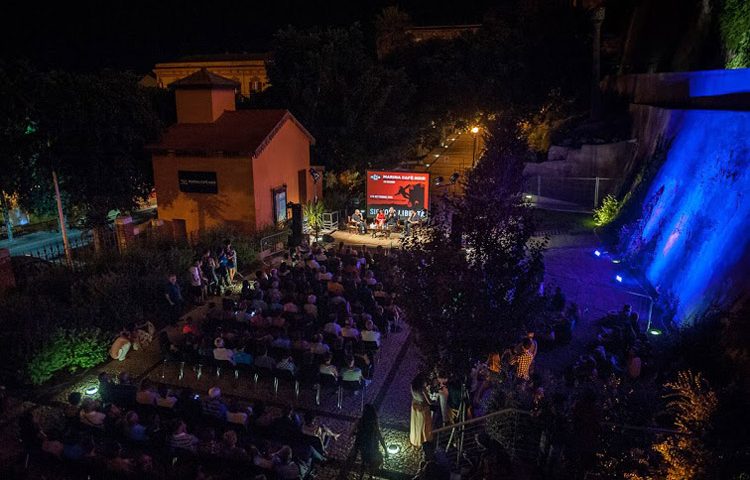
219	166
247	69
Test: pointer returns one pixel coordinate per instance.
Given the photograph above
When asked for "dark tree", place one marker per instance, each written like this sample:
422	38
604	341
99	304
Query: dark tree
355	108
467	299
90	129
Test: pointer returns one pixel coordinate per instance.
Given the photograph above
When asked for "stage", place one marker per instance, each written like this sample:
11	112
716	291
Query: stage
355	239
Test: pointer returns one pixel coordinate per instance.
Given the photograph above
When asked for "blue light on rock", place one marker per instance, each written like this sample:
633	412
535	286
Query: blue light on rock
698	215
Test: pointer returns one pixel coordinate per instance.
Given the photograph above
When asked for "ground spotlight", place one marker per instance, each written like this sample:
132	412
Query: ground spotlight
528	197
91	390
618	278
393	448
597	253
654	331
454	177
439	180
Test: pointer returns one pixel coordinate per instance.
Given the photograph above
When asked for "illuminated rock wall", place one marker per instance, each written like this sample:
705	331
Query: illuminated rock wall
696	215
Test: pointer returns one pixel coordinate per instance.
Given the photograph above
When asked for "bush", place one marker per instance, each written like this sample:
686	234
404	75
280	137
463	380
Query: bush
607	211
68	349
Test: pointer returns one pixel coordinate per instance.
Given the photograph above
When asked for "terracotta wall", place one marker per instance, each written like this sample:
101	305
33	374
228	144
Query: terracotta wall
202	106
279	164
233	205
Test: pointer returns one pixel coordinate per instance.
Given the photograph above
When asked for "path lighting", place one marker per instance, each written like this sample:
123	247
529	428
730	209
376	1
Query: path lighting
393	448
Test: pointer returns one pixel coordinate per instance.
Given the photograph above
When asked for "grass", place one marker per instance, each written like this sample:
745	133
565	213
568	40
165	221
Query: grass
566	222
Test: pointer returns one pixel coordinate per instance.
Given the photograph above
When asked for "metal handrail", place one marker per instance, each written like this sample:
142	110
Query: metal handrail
480	419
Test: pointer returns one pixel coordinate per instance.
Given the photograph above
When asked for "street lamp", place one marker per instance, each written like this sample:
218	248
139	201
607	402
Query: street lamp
474	130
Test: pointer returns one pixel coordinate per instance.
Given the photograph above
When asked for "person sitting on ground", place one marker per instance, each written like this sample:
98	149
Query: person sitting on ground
312	427
318	347
222	354
213	406
121	346
146	394
287	363
181	439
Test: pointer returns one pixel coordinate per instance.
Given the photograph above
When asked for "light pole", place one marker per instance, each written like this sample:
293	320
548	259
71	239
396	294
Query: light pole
474	130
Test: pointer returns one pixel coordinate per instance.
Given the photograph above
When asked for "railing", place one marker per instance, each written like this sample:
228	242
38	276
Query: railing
273	244
521	434
517	430
584	193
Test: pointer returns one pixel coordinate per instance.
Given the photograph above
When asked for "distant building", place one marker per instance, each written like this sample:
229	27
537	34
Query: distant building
440	32
247	69
217	166
394	39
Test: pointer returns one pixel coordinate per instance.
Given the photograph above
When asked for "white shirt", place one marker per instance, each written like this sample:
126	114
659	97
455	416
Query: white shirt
224	354
349	332
195	276
371	336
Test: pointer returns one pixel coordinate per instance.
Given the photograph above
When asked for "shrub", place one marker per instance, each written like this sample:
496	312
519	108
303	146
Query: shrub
68	349
607	212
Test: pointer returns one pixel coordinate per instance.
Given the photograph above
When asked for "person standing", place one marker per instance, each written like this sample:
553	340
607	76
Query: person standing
421	417
367	438
411	222
523	360
173	294
231	255
196	282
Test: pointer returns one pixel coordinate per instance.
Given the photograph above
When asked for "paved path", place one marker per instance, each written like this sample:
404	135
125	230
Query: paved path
38	241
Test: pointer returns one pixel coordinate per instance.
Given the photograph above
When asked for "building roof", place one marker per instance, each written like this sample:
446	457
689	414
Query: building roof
242	132
205	79
224	57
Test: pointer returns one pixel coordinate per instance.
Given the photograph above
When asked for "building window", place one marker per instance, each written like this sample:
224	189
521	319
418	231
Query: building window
279	204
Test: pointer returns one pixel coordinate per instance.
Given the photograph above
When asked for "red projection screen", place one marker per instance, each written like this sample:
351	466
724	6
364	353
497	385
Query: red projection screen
403	191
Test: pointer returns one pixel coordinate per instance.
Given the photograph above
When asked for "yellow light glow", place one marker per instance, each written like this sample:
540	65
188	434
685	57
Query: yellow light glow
475	130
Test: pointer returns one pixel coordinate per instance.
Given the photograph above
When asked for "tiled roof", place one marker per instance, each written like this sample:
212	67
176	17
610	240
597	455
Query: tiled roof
242	132
205	79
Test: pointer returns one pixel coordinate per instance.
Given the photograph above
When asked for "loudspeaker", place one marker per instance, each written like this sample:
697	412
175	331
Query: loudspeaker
296	237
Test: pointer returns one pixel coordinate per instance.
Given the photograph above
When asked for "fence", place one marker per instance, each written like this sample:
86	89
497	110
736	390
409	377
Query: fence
577	193
273	244
82	244
521	435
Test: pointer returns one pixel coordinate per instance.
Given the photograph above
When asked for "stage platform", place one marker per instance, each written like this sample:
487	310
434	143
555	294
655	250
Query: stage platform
355	239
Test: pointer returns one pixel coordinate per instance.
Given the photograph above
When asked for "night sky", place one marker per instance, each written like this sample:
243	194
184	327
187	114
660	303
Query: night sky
91	35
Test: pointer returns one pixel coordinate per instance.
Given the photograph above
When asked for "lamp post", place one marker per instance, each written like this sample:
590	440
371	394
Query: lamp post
474	130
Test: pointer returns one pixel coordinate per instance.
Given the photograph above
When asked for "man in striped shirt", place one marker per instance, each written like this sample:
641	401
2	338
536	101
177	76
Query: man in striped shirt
181	439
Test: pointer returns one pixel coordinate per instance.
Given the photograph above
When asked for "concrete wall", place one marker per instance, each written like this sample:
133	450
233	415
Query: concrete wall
280	164
605	160
233	205
707	89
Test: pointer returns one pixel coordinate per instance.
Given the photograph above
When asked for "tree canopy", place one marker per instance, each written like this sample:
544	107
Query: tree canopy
90	129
